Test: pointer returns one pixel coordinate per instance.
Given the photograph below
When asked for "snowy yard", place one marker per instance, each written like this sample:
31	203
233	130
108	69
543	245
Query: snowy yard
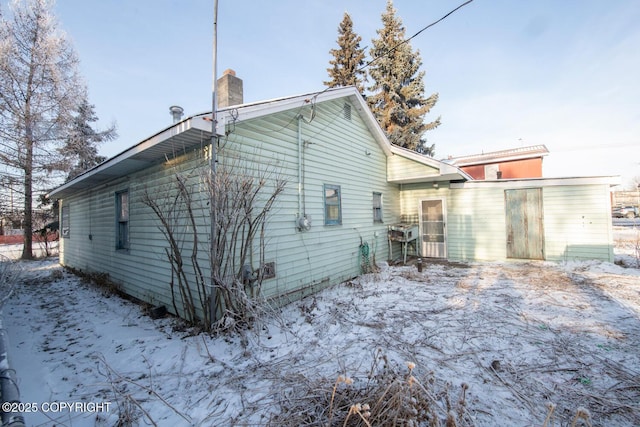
530	340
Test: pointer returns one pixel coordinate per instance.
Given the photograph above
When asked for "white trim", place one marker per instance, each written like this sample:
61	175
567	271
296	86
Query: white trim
261	109
441	246
244	112
531	152
194	122
498	160
539	182
447	171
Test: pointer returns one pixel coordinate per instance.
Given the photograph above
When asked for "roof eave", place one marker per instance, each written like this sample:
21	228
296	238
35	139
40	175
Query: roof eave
447	172
176	138
610	180
497	159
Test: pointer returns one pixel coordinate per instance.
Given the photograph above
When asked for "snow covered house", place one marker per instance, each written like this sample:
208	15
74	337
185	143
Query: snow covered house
346	184
329	148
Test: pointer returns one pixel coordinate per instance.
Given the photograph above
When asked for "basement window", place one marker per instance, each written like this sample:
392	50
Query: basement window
122	221
332	205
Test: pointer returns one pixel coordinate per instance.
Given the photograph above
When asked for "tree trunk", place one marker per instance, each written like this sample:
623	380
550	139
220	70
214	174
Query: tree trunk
27	250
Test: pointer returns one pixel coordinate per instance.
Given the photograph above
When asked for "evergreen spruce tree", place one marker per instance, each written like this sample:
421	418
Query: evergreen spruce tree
397	94
81	146
348	59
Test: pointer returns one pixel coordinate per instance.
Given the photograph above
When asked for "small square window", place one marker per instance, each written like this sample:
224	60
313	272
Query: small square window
122	222
377	207
332	205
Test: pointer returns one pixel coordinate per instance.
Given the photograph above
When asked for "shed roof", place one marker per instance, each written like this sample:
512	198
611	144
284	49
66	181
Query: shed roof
195	131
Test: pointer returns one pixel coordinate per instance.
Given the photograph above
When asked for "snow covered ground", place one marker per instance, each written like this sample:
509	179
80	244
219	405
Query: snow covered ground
523	336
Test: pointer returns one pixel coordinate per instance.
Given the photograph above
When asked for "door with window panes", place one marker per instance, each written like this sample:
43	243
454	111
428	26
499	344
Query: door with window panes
433	236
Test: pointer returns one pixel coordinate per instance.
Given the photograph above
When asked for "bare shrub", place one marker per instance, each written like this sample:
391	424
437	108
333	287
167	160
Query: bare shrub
387	395
243	197
175	209
48	242
239	196
10	273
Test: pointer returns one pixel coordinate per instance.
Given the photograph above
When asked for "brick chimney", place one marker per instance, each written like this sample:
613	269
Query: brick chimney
229	89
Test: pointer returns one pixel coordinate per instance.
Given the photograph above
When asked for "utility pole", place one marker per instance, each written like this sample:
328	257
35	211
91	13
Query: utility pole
212	170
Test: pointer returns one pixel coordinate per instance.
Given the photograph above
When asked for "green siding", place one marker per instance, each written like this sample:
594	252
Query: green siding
578	223
475	219
335	151
576	219
142	271
402	169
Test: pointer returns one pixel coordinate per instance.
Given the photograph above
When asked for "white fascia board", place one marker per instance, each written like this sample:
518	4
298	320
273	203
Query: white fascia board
539	182
498	160
193	122
446	170
261	109
372	123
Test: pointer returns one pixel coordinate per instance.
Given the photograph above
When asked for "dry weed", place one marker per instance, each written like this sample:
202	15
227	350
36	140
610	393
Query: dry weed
386	395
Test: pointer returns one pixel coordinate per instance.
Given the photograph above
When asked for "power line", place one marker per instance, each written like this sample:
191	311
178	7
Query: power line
435	22
415	35
396	46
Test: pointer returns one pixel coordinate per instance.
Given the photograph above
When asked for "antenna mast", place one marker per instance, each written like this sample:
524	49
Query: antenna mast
212	171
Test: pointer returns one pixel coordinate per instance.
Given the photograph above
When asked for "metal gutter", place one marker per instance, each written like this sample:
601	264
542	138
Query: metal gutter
538	182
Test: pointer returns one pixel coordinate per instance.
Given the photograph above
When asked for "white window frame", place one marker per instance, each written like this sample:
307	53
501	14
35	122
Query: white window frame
122	220
377	205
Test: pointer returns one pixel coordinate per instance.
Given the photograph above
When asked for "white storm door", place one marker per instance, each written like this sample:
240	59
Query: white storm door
433	229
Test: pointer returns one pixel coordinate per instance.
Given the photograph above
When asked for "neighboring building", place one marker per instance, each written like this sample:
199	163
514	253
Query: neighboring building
524	162
626	198
346	185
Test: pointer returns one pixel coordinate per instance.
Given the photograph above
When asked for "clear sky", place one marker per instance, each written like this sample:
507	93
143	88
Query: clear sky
510	73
